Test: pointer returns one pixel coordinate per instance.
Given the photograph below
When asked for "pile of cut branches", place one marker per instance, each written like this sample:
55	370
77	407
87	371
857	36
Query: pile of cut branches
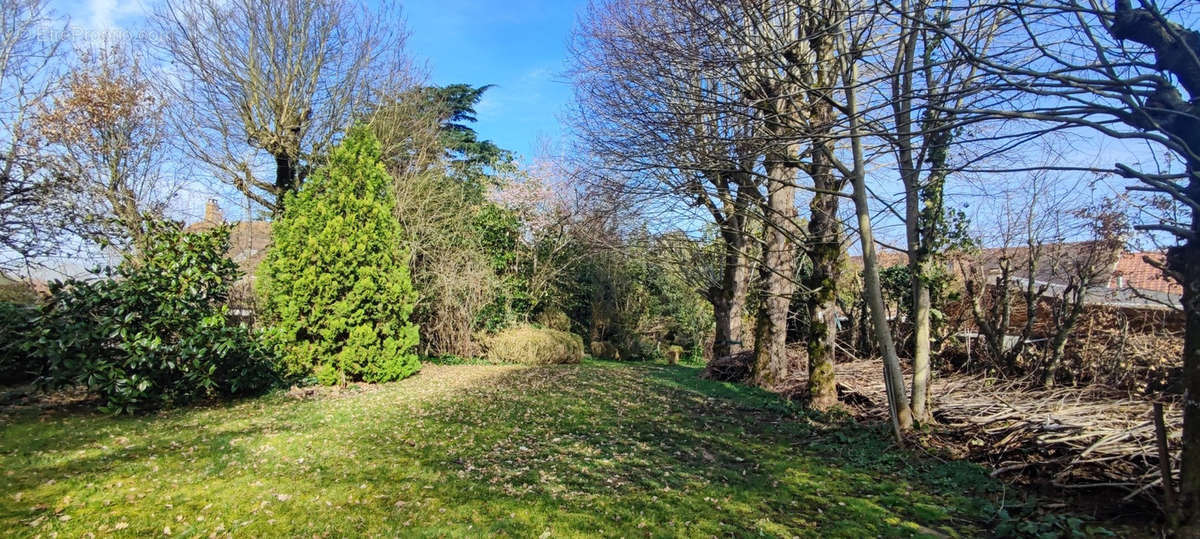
1072	438
735	368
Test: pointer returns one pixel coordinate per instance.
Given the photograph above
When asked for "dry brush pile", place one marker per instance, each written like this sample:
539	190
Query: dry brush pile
1086	438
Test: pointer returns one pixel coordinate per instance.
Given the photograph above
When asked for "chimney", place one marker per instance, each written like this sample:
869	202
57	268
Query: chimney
212	212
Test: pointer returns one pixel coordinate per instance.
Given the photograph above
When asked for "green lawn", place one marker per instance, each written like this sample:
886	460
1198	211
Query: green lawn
594	449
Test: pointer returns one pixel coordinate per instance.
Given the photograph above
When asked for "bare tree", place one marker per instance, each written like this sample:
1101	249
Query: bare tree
29	47
781	57
855	42
814	70
663	120
923	79
107	133
1108	227
1122	72
276	81
788	67
759	33
1034	286
773	66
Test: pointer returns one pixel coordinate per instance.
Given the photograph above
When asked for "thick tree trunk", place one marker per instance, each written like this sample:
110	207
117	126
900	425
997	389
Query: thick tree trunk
722	333
824	252
1175	48
779	269
1185	260
824	249
729	303
285	179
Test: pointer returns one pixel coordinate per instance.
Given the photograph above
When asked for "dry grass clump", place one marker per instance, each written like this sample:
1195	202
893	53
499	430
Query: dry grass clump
605	350
529	345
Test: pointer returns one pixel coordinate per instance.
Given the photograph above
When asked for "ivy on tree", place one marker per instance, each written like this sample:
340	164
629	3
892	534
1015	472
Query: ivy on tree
337	289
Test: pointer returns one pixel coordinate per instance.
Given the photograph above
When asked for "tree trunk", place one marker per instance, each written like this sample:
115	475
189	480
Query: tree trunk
917	230
1175	49
1185	260
893	376
1057	349
898	407
824	252
922	373
779	270
729	303
721	312
865	347
285	179
1068	315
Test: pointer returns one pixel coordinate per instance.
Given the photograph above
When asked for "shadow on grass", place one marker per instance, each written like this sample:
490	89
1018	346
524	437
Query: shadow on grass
594	449
637	448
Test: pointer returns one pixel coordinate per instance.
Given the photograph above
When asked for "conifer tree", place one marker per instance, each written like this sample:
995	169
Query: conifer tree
337	290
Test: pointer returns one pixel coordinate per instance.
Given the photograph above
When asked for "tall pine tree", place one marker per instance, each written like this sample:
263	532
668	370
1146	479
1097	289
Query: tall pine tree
337	289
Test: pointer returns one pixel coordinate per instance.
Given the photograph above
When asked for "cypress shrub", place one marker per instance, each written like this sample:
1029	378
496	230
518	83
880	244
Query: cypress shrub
336	286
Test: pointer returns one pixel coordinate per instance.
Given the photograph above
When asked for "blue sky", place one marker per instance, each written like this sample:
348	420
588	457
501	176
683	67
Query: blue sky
518	45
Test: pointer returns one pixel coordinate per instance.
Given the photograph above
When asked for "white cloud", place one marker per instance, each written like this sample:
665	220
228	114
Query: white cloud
94	22
109	15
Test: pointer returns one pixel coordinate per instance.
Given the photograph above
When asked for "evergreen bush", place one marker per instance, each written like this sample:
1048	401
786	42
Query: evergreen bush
16	322
154	331
337	291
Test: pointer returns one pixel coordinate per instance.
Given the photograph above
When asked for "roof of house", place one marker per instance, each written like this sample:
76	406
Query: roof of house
1142	271
885	257
248	240
1121	279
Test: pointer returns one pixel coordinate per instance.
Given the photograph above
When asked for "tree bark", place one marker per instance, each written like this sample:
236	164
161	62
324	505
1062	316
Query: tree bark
917	230
899	409
1175	51
824	252
922	372
1067	313
1058	348
779	269
285	180
893	376
729	303
1185	261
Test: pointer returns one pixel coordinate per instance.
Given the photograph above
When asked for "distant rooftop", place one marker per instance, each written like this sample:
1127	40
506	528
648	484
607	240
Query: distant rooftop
248	240
1127	279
